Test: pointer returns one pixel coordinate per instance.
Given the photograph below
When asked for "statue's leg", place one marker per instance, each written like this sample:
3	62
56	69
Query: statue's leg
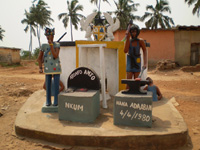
48	89
136	74
56	88
129	75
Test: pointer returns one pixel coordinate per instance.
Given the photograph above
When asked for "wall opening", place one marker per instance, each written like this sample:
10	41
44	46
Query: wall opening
195	54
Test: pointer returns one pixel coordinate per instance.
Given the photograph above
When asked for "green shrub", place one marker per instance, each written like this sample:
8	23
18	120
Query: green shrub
25	55
36	53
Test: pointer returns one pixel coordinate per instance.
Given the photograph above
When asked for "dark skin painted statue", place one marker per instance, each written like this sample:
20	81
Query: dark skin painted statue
132	48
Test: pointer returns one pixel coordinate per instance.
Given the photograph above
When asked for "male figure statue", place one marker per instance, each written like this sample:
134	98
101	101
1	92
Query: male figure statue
132	47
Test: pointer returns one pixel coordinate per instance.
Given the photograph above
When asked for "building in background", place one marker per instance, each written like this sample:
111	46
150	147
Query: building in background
180	44
10	55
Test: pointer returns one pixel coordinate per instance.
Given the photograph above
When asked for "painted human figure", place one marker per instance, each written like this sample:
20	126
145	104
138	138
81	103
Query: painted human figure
132	48
49	53
154	89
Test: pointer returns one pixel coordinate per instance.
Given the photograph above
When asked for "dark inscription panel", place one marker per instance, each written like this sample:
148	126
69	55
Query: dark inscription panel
83	78
135	111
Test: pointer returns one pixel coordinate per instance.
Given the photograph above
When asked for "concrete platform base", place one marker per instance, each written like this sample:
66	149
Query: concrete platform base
49	109
168	129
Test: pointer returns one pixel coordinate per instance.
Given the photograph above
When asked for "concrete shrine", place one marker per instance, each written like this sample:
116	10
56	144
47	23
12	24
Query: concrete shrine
92	70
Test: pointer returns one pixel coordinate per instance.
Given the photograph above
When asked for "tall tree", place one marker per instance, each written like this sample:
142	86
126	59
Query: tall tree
196	8
157	16
41	15
98	3
124	12
30	24
71	15
1	33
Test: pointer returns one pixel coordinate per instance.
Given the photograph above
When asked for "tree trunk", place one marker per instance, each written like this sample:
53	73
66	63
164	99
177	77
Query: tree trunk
99	5
30	44
71	29
29	49
38	35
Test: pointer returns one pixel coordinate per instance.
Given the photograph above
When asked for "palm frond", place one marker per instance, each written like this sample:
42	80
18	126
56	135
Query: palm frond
62	15
73	7
146	15
196	8
1	33
156	17
150	7
166	9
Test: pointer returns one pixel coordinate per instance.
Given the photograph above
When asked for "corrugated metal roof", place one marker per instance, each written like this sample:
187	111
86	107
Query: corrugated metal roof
158	29
178	27
188	27
12	48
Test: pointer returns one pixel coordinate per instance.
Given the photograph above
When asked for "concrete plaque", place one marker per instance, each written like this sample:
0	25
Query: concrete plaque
79	106
133	109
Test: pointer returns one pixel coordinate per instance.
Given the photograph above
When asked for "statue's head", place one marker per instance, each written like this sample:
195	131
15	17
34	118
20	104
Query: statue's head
49	31
150	80
134	31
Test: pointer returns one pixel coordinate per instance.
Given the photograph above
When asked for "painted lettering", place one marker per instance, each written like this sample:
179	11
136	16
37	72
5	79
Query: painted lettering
93	77
130	115
73	75
120	103
141	106
75	107
90	74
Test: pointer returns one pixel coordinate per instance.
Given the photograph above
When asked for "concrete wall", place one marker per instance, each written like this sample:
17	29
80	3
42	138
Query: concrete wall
9	55
68	62
162	44
183	41
91	59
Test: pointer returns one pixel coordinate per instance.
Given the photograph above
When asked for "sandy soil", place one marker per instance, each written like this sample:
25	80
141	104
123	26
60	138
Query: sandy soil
16	84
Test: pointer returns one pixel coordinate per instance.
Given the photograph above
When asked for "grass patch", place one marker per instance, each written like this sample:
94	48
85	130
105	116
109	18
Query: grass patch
36	63
6	65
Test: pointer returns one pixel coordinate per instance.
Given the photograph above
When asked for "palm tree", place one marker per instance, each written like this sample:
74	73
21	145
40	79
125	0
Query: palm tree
72	15
29	21
98	3
196	8
124	12
157	17
41	16
1	33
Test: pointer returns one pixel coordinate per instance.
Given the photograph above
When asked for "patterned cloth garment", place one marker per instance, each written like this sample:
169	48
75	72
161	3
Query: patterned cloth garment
51	65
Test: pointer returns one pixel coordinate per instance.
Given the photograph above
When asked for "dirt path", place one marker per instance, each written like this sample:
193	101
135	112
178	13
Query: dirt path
16	84
185	88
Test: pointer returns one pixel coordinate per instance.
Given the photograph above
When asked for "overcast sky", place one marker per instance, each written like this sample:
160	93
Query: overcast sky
12	12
